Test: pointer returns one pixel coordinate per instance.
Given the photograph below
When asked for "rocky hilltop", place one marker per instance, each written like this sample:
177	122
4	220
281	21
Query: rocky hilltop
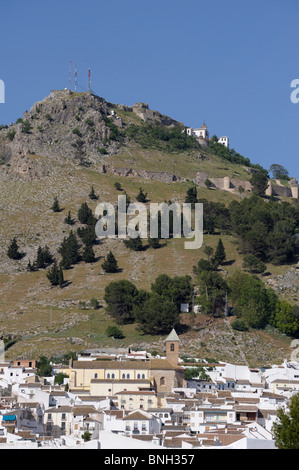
69	127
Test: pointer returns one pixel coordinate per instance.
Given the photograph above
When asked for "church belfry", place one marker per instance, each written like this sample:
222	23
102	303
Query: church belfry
172	348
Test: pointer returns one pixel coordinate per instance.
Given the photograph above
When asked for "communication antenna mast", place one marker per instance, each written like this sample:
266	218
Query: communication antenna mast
75	77
89	80
70	75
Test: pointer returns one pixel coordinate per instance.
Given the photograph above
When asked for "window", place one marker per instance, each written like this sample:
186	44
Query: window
96	376
138	376
172	347
143	376
63	416
113	376
49	416
162	381
108	376
123	376
128	376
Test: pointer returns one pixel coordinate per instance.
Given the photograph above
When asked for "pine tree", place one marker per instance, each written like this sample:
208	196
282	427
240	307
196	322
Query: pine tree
141	196
85	215
110	264
134	244
43	257
191	196
208	250
87	234
53	274
60	277
55	207
69	250
39	258
154	243
13	250
92	194
68	220
48	258
117	186
88	254
259	182
31	267
220	255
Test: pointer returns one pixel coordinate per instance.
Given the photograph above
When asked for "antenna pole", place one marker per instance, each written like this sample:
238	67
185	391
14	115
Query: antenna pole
75	77
70	75
89	80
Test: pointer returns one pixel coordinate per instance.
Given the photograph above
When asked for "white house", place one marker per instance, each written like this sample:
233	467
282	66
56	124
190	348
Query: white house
11	375
283	378
209	414
224	141
141	422
201	133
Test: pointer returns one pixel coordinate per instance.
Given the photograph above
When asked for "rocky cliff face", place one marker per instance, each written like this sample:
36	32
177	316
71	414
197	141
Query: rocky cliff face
64	126
68	127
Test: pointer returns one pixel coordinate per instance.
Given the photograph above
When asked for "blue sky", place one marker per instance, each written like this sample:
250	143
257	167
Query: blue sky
229	63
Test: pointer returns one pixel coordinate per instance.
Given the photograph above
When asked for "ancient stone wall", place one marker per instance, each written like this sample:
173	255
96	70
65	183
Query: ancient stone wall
233	184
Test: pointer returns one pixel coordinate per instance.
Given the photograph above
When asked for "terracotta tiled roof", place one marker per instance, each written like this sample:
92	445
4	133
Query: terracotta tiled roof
152	364
245	407
137	416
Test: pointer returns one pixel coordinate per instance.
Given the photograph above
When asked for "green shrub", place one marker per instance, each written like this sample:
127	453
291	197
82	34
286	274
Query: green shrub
239	325
102	150
11	135
115	332
76	131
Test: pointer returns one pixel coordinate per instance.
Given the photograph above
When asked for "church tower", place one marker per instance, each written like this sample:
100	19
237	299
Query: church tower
172	348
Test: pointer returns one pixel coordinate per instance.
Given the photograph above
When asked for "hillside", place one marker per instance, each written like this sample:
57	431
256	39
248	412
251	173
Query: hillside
63	146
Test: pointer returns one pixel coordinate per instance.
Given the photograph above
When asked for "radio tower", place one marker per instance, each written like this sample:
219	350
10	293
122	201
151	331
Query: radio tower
75	77
89	80
70	75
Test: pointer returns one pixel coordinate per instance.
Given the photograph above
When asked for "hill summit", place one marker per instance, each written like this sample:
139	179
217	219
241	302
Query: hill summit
69	126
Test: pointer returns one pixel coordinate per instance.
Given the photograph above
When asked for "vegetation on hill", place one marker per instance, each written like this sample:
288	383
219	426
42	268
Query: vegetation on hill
231	155
157	136
245	237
